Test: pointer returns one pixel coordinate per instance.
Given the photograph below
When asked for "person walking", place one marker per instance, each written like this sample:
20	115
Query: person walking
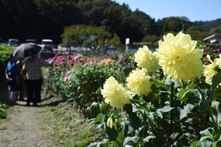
34	78
20	94
12	75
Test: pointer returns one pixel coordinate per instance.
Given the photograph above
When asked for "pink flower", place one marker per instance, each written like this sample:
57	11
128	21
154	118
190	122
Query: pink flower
67	76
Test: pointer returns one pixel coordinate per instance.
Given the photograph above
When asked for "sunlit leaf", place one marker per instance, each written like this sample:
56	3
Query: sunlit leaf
187	109
216	80
147	139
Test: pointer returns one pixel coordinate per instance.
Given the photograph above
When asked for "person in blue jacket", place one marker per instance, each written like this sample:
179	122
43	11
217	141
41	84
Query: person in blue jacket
12	75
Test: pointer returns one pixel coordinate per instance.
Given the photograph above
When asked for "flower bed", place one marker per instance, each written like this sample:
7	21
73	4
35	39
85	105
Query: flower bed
79	79
170	98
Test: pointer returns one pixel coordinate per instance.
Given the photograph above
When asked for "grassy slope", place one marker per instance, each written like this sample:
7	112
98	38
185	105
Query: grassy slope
69	127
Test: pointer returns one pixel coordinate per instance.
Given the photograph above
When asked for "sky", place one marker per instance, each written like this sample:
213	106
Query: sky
194	10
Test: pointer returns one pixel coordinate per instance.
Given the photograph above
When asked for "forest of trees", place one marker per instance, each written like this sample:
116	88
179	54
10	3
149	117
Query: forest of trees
47	19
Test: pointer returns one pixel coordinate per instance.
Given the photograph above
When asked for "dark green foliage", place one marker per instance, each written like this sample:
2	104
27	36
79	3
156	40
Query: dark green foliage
208	25
3	109
173	24
49	17
5	52
90	79
85	35
86	83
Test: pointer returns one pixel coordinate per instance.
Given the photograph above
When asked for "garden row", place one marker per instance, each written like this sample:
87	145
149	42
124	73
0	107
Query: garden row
5	52
169	97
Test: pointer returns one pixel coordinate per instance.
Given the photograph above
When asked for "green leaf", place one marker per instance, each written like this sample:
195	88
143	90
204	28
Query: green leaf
112	133
130	141
201	144
147	139
218	92
133	118
158	84
187	109
94	104
194	144
219	138
181	93
191	96
206	134
2	114
216	80
165	109
120	137
98	118
216	112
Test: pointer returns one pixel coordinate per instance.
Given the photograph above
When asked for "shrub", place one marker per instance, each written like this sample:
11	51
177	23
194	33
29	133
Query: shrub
3	109
85	83
5	52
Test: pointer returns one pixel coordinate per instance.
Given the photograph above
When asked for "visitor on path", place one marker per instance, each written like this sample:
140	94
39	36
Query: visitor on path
12	75
34	78
20	94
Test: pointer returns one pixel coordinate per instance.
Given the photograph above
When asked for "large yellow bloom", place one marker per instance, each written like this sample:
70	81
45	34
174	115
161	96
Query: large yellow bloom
146	59
178	57
139	82
115	94
210	71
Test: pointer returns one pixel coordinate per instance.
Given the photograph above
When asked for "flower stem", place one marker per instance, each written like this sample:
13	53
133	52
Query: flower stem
171	105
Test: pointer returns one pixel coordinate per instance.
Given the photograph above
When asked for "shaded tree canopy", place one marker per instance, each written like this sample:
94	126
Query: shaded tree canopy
87	35
47	19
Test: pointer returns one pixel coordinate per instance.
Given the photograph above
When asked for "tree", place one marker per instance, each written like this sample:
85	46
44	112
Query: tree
78	35
197	32
47	18
216	29
173	24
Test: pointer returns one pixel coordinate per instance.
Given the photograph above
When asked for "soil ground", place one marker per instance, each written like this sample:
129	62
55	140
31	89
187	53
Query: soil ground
25	127
42	126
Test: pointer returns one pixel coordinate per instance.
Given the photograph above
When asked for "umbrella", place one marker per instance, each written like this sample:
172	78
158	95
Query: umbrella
26	50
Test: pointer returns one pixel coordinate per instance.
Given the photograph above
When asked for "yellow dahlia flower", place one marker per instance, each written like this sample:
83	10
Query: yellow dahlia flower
178	57
110	122
115	94
145	59
210	71
138	82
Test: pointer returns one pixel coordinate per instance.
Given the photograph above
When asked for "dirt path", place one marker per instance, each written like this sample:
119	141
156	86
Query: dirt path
25	127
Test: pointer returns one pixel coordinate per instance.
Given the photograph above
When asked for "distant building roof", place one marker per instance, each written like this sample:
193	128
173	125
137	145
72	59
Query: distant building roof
213	38
47	40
